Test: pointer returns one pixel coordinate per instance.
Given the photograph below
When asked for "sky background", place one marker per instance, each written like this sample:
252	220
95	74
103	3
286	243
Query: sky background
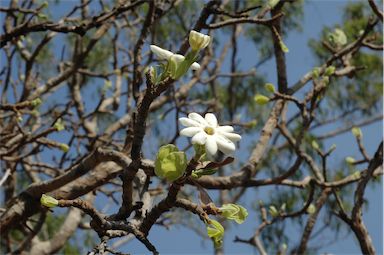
300	60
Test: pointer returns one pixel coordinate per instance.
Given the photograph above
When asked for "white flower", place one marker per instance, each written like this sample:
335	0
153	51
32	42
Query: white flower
166	55
198	41
207	131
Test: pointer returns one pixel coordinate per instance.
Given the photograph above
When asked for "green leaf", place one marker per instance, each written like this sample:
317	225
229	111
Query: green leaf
216	232
234	212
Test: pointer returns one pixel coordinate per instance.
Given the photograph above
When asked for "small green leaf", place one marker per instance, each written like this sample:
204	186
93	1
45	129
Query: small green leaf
234	212
216	232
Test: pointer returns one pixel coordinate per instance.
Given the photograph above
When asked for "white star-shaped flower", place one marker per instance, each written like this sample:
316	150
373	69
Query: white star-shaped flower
207	131
166	55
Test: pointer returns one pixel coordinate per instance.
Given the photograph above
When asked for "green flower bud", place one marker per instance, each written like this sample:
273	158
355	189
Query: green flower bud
170	163
316	72
270	87
338	37
315	145
357	132
329	71
216	232
234	212
48	201
356	175
36	102
273	211
350	160
64	147
333	147
311	209
283	47
59	125
261	99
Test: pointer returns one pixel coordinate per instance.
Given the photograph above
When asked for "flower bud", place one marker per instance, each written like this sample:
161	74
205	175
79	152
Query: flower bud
270	87
350	160
357	132
311	209
273	211
36	102
198	41
170	163
59	125
48	201
316	72
64	147
315	145
329	71
261	99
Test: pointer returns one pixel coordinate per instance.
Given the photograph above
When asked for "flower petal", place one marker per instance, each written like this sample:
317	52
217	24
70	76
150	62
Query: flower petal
231	136
190	131
227	129
161	53
225	145
189	122
211	119
199	138
178	58
195	66
211	145
197	117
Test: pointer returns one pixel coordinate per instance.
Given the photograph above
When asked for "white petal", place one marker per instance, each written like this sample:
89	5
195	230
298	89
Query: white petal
199	138
190	131
197	117
225	146
231	136
227	129
195	66
211	119
178	58
189	122
211	145
161	53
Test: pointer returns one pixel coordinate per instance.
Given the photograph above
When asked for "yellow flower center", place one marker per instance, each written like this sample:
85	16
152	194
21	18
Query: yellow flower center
209	130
